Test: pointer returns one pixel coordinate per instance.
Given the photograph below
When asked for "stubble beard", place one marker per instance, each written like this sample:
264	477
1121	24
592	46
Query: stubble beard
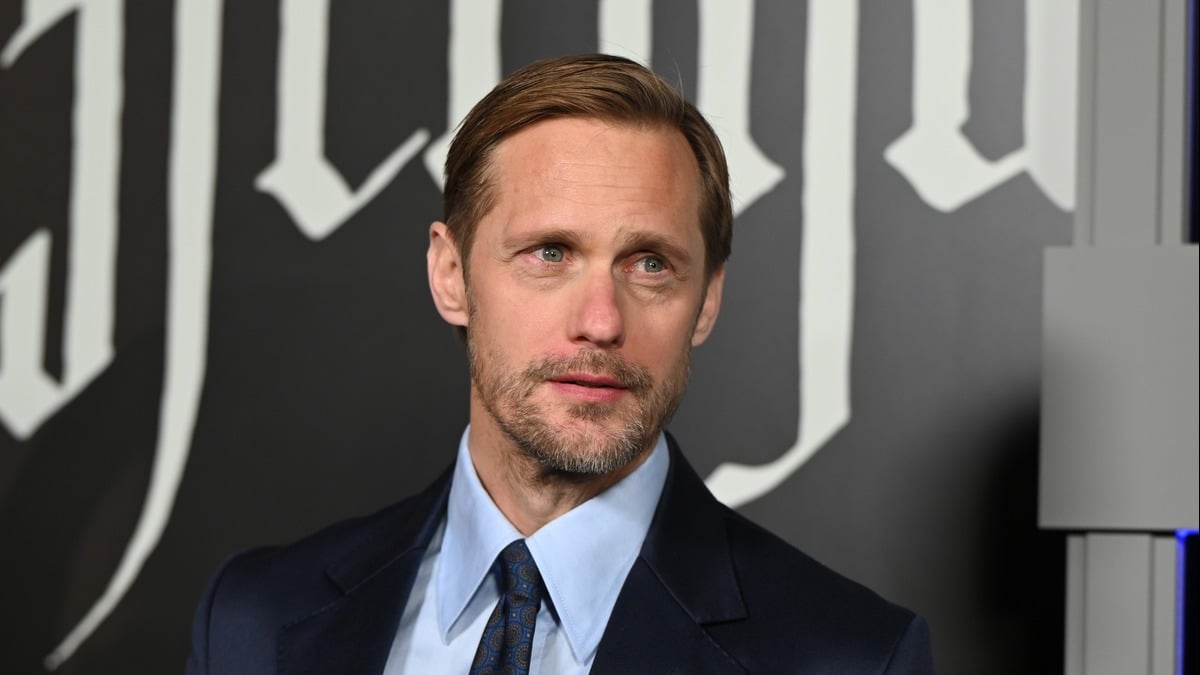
589	449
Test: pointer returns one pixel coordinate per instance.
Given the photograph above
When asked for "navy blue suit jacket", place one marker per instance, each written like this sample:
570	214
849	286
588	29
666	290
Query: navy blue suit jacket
711	592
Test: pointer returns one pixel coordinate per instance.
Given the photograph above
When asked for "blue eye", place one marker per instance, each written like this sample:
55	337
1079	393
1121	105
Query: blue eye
652	264
551	253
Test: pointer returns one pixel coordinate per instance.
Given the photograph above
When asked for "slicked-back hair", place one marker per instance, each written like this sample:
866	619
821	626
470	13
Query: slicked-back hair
594	86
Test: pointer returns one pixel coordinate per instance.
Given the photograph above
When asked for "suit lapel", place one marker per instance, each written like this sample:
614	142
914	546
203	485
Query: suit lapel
683	579
650	632
354	633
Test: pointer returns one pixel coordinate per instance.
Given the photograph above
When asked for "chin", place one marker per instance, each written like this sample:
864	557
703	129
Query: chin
594	450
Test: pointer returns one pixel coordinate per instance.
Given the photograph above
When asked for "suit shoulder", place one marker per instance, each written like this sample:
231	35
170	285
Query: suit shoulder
301	576
256	593
801	608
763	558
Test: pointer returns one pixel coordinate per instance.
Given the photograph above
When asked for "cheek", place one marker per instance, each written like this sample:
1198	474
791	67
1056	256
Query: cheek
659	339
514	325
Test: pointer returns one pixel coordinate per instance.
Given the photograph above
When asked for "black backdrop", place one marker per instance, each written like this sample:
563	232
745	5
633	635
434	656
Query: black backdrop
330	387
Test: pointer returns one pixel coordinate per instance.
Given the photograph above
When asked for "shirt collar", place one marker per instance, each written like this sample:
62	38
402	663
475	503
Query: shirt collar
583	555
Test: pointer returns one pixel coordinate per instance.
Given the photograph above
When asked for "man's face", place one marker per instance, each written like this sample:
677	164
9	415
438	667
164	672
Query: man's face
585	292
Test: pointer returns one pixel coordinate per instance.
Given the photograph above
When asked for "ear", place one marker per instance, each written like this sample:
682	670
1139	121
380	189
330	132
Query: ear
446	282
711	307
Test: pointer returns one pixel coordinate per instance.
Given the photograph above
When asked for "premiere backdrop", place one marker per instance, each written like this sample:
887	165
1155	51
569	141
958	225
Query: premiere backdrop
215	329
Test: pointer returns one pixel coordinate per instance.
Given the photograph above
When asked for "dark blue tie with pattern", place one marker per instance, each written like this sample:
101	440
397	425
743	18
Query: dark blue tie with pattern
507	640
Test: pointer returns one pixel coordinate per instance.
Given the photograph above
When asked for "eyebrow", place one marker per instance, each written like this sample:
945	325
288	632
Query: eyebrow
655	242
526	239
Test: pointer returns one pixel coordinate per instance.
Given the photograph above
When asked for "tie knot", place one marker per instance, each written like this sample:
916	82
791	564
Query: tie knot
522	580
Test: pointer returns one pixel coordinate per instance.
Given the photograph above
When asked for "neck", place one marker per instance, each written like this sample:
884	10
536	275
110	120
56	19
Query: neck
529	494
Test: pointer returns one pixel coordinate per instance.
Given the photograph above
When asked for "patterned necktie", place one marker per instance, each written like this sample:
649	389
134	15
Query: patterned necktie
507	640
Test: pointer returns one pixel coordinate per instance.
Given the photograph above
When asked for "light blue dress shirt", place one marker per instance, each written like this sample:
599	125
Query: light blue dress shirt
584	556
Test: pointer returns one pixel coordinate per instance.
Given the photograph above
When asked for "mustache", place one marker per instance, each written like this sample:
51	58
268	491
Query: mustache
636	379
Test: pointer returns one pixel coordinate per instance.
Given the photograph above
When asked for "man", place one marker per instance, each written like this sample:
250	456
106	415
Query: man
588	221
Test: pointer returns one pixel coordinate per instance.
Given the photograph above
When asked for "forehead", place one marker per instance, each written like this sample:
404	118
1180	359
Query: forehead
581	163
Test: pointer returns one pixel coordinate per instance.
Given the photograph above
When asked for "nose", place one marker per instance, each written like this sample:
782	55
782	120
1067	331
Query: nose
597	316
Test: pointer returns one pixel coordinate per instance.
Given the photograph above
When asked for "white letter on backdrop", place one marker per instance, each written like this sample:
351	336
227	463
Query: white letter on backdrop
474	60
191	187
28	395
311	189
942	164
625	29
827	251
726	47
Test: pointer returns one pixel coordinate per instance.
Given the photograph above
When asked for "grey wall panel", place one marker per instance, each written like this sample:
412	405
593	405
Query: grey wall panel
1126	121
1121	612
1076	593
1119	389
1174	185
1116	614
1165	582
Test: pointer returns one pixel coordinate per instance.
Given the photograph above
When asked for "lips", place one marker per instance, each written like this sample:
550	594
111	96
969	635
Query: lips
589	388
590	381
590	377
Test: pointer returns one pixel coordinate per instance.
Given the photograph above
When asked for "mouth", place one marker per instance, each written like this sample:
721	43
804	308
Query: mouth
590	381
589	388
